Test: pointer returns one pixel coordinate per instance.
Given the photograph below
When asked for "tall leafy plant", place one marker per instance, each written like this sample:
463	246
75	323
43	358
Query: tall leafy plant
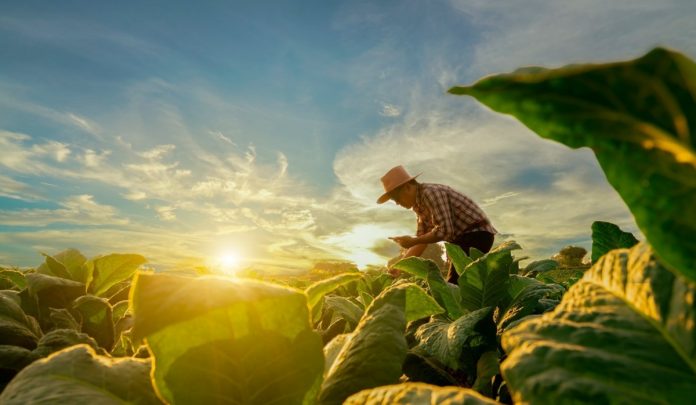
625	332
639	118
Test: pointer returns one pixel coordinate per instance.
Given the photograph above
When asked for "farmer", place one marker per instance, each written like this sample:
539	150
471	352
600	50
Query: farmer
443	215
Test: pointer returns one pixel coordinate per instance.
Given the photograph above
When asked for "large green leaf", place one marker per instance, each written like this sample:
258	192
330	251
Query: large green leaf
607	236
487	367
484	282
15	278
445	341
61	318
458	257
53	292
447	295
66	264
345	309
419	304
104	272
78	376
52	267
639	118
218	339
374	352
527	296
418	393
626	333
97	319
12	360
59	339
16	328
316	291
540	266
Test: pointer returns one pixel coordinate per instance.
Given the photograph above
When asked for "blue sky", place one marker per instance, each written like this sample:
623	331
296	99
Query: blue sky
186	130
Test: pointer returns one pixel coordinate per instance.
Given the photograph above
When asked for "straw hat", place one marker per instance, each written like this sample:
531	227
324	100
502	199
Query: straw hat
396	177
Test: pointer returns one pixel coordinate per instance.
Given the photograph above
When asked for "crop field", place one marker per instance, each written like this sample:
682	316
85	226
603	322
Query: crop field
102	330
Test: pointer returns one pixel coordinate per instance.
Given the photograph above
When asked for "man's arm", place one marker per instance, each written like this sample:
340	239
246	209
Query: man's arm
416	250
407	242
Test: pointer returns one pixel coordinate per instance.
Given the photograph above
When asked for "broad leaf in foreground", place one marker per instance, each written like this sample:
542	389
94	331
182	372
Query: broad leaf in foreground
373	354
639	118
607	236
625	333
223	340
78	376
418	393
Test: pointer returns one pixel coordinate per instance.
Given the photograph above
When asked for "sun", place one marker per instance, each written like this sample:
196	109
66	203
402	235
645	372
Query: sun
228	262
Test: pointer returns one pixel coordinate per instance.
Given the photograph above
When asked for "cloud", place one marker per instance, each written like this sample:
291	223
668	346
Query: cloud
11	102
84	123
135	196
11	188
166	213
157	152
92	159
219	135
19	157
544	32
79	209
389	110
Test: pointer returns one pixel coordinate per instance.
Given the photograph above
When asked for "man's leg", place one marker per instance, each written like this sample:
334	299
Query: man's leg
480	240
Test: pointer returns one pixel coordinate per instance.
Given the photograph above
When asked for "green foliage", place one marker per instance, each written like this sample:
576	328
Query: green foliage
208	332
103	272
458	257
345	309
484	282
49	309
625	332
16	328
97	319
444	293
527	296
316	291
374	352
639	118
607	236
418	393
487	368
446	341
539	266
78	375
12	279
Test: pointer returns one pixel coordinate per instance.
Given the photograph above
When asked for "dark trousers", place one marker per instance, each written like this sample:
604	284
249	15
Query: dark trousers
480	240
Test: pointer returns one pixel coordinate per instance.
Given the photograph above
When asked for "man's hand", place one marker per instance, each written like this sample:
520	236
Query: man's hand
404	241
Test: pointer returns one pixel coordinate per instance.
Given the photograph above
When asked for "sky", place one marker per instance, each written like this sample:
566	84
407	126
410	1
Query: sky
192	131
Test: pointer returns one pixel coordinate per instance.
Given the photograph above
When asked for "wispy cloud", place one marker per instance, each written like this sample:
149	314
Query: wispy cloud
390	110
17	190
79	209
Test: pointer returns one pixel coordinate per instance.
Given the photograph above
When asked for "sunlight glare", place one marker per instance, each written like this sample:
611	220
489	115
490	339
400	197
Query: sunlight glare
229	262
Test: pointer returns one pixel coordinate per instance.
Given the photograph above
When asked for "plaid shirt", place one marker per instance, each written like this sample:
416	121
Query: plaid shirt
448	212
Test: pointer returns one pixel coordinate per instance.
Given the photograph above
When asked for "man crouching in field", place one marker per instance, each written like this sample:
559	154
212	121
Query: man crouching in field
443	215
